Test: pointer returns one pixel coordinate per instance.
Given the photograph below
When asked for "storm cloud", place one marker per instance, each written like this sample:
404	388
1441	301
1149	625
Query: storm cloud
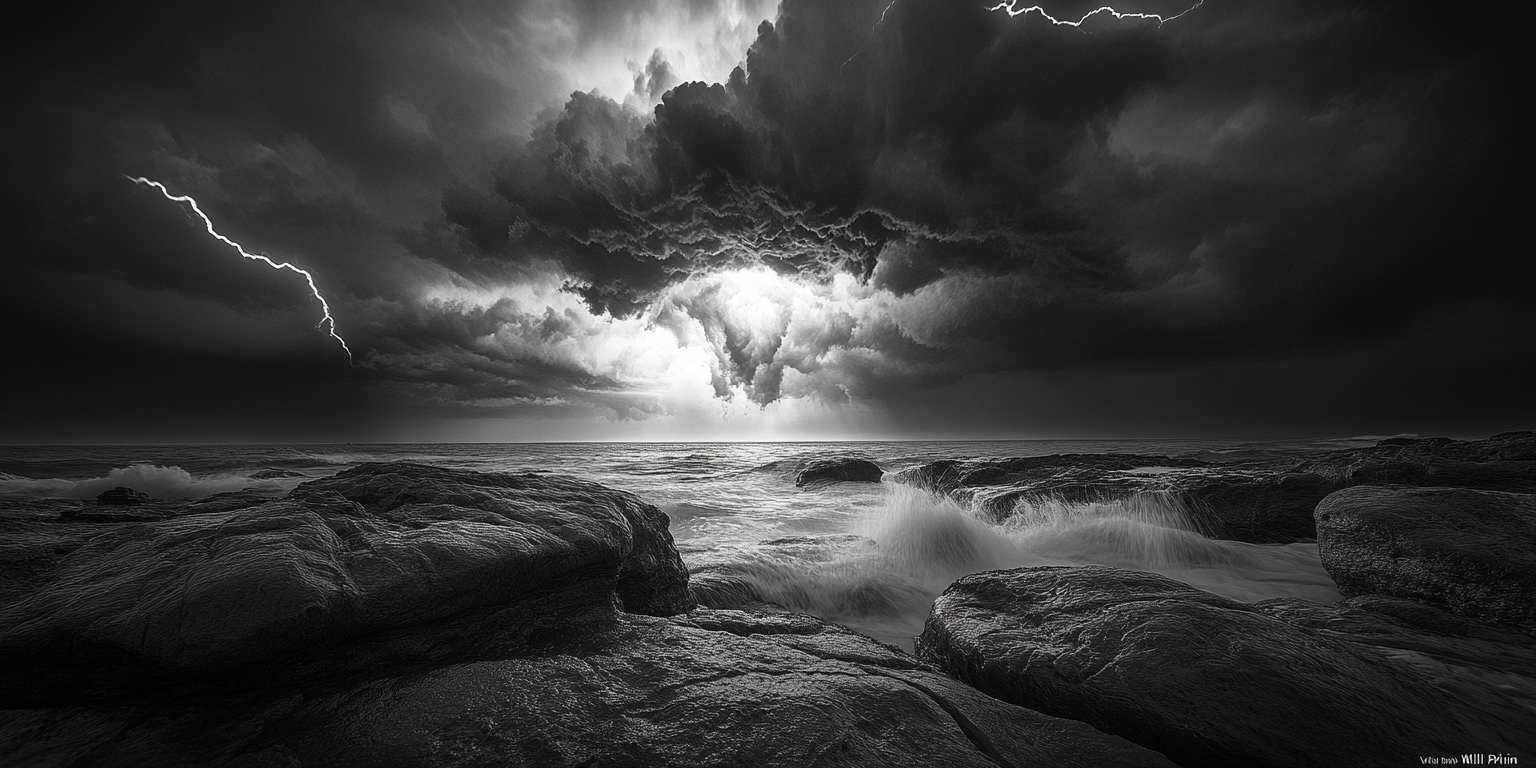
921	208
1254	180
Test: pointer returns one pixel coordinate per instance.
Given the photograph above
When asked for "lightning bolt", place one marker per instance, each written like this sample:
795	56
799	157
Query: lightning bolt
1013	9
325	307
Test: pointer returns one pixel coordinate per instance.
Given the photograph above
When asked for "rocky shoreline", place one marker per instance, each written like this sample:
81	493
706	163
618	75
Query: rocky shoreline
404	614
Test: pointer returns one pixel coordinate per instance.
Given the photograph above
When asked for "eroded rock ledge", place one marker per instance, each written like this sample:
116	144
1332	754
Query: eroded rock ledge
1263	501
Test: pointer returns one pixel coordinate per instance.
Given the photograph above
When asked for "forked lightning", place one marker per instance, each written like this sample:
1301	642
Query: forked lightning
327	320
1013	9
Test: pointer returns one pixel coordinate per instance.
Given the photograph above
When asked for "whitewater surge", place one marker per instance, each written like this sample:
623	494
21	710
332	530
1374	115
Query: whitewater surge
160	482
882	574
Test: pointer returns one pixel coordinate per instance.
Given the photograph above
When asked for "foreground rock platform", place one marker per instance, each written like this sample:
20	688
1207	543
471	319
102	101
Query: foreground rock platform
1260	501
1209	681
1472	552
707	688
407	615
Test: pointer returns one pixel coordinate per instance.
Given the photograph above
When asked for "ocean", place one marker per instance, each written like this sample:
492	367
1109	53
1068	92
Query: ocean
868	556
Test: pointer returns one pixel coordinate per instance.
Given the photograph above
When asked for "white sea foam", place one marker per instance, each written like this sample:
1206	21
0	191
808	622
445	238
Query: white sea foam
158	481
883	579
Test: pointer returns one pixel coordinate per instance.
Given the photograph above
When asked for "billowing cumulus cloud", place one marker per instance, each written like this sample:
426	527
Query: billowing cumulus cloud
632	211
1013	196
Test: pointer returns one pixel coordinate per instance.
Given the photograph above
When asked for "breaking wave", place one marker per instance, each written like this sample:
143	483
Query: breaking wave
159	482
881	576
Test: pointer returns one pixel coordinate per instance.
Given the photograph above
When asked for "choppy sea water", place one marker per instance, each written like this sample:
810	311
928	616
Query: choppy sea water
869	556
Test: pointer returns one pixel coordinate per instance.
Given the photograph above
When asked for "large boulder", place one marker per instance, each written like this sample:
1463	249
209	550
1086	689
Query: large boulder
1206	680
841	469
710	688
374	548
1472	552
1267	500
652	577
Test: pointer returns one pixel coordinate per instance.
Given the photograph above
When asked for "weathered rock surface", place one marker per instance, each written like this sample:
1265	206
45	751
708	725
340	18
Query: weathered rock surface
373	548
841	469
707	688
401	615
121	495
1261	501
1472	552
1481	668
1209	681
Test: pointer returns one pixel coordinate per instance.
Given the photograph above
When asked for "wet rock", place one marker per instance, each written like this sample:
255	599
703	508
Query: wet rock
1472	552
1416	633
652	577
842	469
1209	681
375	548
707	688
1261	501
122	496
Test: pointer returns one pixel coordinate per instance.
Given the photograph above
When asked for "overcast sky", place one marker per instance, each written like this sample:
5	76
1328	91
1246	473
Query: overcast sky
736	219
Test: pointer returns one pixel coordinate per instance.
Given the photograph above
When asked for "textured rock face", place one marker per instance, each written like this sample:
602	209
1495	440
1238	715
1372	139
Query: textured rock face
1472	552
1262	501
839	470
377	547
1209	681
707	688
652	577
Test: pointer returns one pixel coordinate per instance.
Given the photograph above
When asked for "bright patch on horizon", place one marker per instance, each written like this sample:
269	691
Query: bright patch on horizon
325	308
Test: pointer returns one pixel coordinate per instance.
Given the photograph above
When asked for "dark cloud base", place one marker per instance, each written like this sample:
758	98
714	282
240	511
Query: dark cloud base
1263	208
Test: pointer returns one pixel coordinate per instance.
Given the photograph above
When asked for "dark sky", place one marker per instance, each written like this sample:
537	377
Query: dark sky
730	219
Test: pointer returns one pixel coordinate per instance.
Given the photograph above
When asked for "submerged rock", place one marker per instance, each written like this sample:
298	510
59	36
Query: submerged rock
1472	552
842	469
122	496
1261	501
1210	681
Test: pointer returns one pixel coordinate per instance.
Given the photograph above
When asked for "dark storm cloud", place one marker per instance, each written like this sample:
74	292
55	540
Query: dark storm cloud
945	192
1252	181
321	133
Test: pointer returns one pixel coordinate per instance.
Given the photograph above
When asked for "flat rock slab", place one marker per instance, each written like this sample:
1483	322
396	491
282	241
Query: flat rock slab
377	547
709	688
1472	552
1205	680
